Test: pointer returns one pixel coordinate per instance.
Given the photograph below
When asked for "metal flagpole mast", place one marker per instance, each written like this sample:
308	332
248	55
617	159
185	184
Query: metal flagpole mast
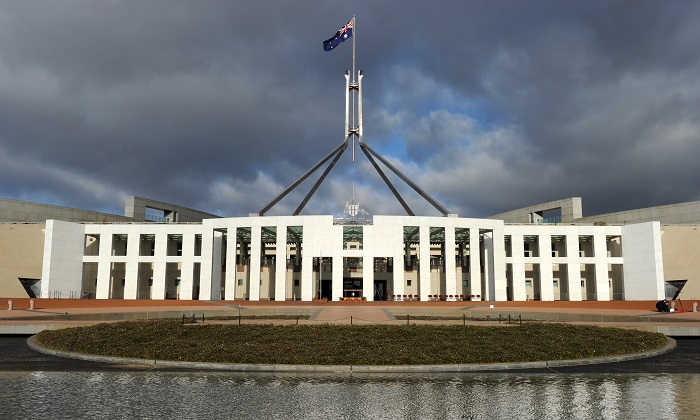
354	34
354	31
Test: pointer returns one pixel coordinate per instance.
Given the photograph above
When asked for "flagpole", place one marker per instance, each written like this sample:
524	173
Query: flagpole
354	32
354	80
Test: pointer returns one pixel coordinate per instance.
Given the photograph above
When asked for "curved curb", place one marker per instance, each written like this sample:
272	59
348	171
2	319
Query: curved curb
246	367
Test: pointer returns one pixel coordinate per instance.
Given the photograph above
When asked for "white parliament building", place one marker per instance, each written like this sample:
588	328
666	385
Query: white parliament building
543	252
391	258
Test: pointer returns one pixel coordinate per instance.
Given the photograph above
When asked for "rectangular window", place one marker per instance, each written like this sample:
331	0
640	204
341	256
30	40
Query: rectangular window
240	282
408	282
296	282
465	283
150	282
528	283
555	283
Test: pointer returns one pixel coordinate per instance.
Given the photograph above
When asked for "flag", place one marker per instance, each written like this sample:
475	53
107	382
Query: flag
344	33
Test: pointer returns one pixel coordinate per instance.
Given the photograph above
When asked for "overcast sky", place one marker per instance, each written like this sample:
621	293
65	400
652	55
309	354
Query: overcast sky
219	105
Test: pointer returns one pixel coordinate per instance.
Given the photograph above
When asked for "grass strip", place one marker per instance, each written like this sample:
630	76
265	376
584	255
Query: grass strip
349	345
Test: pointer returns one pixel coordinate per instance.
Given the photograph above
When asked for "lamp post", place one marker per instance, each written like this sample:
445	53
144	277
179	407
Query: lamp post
320	272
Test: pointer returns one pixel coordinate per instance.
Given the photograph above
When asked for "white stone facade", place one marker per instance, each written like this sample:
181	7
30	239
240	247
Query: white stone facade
395	257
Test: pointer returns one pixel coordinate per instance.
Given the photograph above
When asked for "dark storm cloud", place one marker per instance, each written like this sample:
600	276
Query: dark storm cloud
215	105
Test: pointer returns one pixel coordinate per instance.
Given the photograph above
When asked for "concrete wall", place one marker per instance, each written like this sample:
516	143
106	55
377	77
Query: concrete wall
681	213
644	269
135	209
16	211
62	270
570	210
681	254
21	254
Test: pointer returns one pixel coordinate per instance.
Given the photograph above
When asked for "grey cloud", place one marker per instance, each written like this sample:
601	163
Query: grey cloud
220	105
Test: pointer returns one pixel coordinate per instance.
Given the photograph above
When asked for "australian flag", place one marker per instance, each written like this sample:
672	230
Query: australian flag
344	33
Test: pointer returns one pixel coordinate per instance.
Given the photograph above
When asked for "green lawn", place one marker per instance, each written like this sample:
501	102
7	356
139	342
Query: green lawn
349	345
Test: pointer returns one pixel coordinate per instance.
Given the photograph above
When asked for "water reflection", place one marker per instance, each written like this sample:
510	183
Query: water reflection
452	396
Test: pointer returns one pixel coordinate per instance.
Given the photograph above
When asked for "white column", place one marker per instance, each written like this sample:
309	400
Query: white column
449	261
424	264
600	253
546	273
187	267
573	267
517	244
399	280
474	262
281	264
158	288
489	289
215	267
337	284
131	275
307	271
206	277
499	264
368	277
104	266
231	281
255	251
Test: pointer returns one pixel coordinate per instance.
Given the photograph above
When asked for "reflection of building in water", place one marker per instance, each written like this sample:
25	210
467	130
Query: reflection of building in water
437	396
686	388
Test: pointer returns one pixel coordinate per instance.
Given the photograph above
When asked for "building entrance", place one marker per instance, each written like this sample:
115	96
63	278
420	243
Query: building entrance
352	287
380	290
327	289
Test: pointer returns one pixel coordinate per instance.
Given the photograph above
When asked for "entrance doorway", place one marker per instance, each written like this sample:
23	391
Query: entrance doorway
380	290
327	289
352	287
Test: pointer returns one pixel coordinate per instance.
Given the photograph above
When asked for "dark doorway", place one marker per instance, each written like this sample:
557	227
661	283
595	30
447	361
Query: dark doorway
352	287
380	290
327	289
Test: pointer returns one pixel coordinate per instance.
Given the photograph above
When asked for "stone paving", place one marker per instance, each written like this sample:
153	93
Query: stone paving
58	313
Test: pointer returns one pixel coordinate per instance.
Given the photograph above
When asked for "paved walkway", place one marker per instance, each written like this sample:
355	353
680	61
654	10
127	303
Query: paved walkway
58	313
351	314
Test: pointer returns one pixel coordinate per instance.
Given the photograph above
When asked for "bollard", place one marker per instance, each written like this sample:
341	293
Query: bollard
31	304
695	306
10	305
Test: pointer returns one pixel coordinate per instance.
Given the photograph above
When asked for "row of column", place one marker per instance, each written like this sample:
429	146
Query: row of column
573	263
159	261
307	280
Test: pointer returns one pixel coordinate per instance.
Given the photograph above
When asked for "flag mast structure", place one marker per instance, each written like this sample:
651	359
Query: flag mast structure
353	87
355	82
